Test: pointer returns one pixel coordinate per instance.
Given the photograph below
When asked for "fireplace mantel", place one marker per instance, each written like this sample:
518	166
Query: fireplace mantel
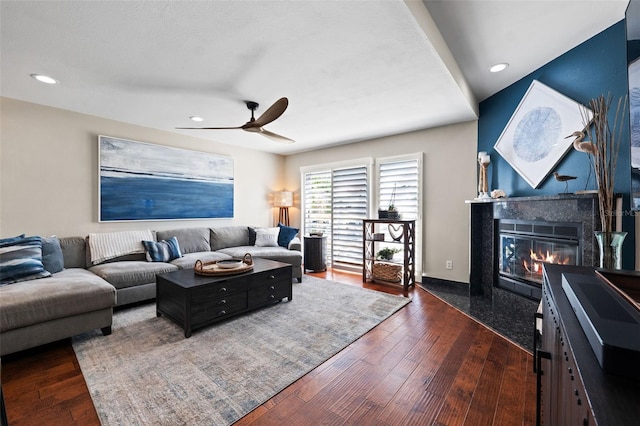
568	196
578	208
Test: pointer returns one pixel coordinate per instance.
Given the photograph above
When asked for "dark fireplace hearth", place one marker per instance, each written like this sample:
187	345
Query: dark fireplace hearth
512	238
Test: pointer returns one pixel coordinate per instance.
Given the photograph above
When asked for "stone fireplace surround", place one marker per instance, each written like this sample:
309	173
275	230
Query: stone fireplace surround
577	208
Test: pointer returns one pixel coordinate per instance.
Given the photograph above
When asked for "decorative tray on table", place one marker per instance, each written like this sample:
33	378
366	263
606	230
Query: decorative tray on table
224	267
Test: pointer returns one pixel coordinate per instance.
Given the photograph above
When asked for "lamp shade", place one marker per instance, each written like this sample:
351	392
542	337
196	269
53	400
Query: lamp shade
283	199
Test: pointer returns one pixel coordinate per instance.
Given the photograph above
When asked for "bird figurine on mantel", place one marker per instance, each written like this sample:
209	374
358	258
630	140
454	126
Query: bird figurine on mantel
565	179
579	144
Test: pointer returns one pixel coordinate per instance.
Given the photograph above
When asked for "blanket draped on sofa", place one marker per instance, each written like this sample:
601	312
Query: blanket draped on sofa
109	245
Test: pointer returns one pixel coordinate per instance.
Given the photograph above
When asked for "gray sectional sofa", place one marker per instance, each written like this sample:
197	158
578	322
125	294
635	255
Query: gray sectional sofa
82	296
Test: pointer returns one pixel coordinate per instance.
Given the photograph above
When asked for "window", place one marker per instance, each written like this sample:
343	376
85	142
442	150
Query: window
400	181
317	205
335	200
336	197
350	206
399	184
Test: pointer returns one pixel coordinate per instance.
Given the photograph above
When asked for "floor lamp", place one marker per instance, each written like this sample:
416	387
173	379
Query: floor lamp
283	200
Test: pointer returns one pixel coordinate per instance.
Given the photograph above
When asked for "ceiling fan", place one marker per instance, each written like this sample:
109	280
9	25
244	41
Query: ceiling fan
256	124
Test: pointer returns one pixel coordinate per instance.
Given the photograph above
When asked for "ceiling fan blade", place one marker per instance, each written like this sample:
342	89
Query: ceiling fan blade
273	112
209	128
276	137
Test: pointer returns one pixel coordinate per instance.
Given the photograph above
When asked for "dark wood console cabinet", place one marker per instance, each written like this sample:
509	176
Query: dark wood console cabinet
572	389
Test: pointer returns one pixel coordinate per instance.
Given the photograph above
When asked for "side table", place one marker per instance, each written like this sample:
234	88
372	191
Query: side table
315	253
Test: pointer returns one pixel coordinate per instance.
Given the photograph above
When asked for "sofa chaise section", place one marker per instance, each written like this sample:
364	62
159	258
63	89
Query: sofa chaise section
69	302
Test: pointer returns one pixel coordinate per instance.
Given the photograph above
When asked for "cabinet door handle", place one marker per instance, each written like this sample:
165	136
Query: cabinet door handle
222	290
536	339
272	277
222	302
539	373
271	287
222	313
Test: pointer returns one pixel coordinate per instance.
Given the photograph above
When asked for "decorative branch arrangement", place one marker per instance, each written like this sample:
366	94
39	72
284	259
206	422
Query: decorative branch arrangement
607	146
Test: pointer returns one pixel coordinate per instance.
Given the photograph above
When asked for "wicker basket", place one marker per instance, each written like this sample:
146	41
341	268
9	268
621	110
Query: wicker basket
387	272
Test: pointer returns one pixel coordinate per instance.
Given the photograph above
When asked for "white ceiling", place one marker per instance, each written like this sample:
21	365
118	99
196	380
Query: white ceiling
352	70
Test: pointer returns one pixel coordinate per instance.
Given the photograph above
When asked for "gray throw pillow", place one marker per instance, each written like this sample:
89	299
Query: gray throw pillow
52	258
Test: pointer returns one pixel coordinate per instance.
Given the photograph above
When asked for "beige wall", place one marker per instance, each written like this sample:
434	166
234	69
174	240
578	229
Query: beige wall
49	173
449	172
49	178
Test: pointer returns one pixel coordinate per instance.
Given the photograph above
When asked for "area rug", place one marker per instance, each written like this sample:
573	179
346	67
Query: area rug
147	373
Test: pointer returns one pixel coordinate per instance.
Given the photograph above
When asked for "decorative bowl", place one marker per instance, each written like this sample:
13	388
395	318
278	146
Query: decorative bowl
229	263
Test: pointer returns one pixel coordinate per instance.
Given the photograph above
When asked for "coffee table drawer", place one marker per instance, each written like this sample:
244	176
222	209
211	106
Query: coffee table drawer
268	295
258	281
270	288
213	291
212	310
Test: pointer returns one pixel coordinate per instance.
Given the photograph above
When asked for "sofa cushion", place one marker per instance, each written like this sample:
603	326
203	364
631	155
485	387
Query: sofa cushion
131	273
21	260
74	252
162	251
189	260
267	237
287	233
52	258
295	244
191	240
70	292
278	253
229	236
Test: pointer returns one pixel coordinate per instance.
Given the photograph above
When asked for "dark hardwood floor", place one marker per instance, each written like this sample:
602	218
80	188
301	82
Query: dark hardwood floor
427	364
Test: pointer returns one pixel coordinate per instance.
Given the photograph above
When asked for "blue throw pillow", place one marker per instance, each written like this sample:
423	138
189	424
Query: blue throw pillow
287	233
52	258
11	240
162	251
21	261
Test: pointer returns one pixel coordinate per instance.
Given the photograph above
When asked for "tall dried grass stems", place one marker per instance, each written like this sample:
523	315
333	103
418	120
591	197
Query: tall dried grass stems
607	140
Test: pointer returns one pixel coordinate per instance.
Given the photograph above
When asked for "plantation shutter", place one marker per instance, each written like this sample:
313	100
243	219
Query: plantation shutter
350	206
317	204
403	178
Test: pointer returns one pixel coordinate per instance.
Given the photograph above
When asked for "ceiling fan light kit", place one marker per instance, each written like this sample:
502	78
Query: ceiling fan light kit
255	125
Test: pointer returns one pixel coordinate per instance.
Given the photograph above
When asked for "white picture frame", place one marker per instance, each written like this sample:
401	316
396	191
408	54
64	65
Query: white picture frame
535	139
143	181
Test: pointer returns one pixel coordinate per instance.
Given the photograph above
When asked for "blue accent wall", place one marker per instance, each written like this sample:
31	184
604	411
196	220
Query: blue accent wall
596	67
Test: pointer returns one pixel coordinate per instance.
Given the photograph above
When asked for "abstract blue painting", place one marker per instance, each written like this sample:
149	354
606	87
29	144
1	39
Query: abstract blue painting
533	141
142	181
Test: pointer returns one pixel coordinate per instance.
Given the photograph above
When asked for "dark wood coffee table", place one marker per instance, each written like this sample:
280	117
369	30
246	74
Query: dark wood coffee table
194	301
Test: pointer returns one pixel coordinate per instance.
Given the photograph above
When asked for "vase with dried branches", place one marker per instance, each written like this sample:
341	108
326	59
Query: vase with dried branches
606	140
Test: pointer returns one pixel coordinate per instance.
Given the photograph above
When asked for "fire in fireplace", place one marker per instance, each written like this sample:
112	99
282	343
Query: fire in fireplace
525	246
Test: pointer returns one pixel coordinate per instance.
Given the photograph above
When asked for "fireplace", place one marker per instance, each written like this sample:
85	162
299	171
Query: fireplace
524	246
506	230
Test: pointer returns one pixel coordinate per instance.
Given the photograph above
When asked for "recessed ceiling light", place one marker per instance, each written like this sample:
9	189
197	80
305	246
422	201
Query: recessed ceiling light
196	118
499	67
44	79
